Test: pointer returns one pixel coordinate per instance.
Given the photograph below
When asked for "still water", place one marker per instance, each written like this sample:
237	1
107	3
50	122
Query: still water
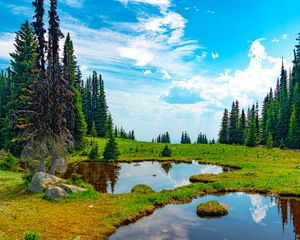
251	216
121	177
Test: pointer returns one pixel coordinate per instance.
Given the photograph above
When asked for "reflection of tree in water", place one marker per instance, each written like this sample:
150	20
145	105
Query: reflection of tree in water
166	166
100	175
290	210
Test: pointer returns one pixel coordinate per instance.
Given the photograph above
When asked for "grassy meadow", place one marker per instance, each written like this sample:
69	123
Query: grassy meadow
270	171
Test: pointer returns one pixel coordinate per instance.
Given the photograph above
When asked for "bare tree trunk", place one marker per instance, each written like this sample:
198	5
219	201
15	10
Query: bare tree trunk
53	167
42	165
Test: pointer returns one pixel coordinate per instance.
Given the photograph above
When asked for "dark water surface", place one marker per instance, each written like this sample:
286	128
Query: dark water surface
121	177
251	216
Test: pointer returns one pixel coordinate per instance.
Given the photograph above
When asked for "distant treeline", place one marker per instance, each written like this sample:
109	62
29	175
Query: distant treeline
185	139
278	123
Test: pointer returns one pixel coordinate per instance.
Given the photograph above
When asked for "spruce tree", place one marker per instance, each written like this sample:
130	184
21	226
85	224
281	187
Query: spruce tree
111	151
223	134
23	74
74	114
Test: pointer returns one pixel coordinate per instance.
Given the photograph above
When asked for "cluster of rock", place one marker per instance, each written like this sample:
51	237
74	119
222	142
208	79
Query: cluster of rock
54	187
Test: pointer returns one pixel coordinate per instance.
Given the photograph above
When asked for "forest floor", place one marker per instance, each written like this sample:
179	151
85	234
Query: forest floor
269	171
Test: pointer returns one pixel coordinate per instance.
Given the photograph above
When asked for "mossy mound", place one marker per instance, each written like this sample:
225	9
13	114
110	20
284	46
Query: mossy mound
142	188
212	209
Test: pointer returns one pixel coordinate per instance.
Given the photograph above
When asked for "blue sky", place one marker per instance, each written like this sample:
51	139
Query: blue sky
173	65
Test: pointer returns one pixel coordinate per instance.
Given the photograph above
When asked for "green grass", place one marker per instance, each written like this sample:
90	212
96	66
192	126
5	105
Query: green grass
141	188
270	171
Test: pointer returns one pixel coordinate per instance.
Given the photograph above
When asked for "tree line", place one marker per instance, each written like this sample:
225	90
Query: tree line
46	108
278	123
185	139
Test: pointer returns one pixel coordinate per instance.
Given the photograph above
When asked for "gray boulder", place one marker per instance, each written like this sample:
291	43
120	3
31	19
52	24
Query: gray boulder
56	193
41	181
71	188
61	165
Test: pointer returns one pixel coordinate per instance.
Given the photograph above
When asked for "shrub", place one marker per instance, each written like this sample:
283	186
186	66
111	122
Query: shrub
27	177
94	152
8	162
166	152
142	188
31	235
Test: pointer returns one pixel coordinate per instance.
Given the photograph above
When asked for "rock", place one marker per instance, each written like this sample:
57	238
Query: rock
90	206
41	181
250	174
61	165
71	188
56	193
298	166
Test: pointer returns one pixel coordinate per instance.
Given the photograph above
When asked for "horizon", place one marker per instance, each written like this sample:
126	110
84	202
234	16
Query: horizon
169	72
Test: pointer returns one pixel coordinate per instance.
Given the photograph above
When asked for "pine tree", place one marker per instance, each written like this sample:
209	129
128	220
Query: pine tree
223	134
294	127
23	74
74	113
102	109
111	151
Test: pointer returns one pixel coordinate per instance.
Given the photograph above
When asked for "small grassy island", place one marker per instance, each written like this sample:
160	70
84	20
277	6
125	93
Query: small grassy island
141	188
212	209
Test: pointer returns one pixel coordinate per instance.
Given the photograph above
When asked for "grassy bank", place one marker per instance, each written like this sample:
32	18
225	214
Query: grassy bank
261	170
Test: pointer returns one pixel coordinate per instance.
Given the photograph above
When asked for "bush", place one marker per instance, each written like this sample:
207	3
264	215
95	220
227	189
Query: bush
166	152
8	162
31	235
27	177
141	188
94	152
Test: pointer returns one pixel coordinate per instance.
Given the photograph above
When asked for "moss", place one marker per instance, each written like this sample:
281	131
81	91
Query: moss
212	209
142	188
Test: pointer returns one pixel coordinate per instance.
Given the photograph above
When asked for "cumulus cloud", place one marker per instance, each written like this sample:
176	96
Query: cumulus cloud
247	85
275	40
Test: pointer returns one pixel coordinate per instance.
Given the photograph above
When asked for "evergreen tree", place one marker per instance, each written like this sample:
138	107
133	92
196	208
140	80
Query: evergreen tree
294	127
223	134
74	113
111	151
23	74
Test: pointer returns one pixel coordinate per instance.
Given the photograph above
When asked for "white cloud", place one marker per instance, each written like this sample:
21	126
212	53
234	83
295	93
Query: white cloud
247	85
147	72
166	75
275	40
160	3
215	55
210	12
202	56
141	56
284	36
74	3
6	44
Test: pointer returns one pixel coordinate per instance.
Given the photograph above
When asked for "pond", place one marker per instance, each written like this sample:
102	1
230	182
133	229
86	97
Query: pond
121	177
251	216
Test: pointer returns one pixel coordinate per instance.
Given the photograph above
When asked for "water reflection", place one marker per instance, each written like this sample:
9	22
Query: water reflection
250	217
120	178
